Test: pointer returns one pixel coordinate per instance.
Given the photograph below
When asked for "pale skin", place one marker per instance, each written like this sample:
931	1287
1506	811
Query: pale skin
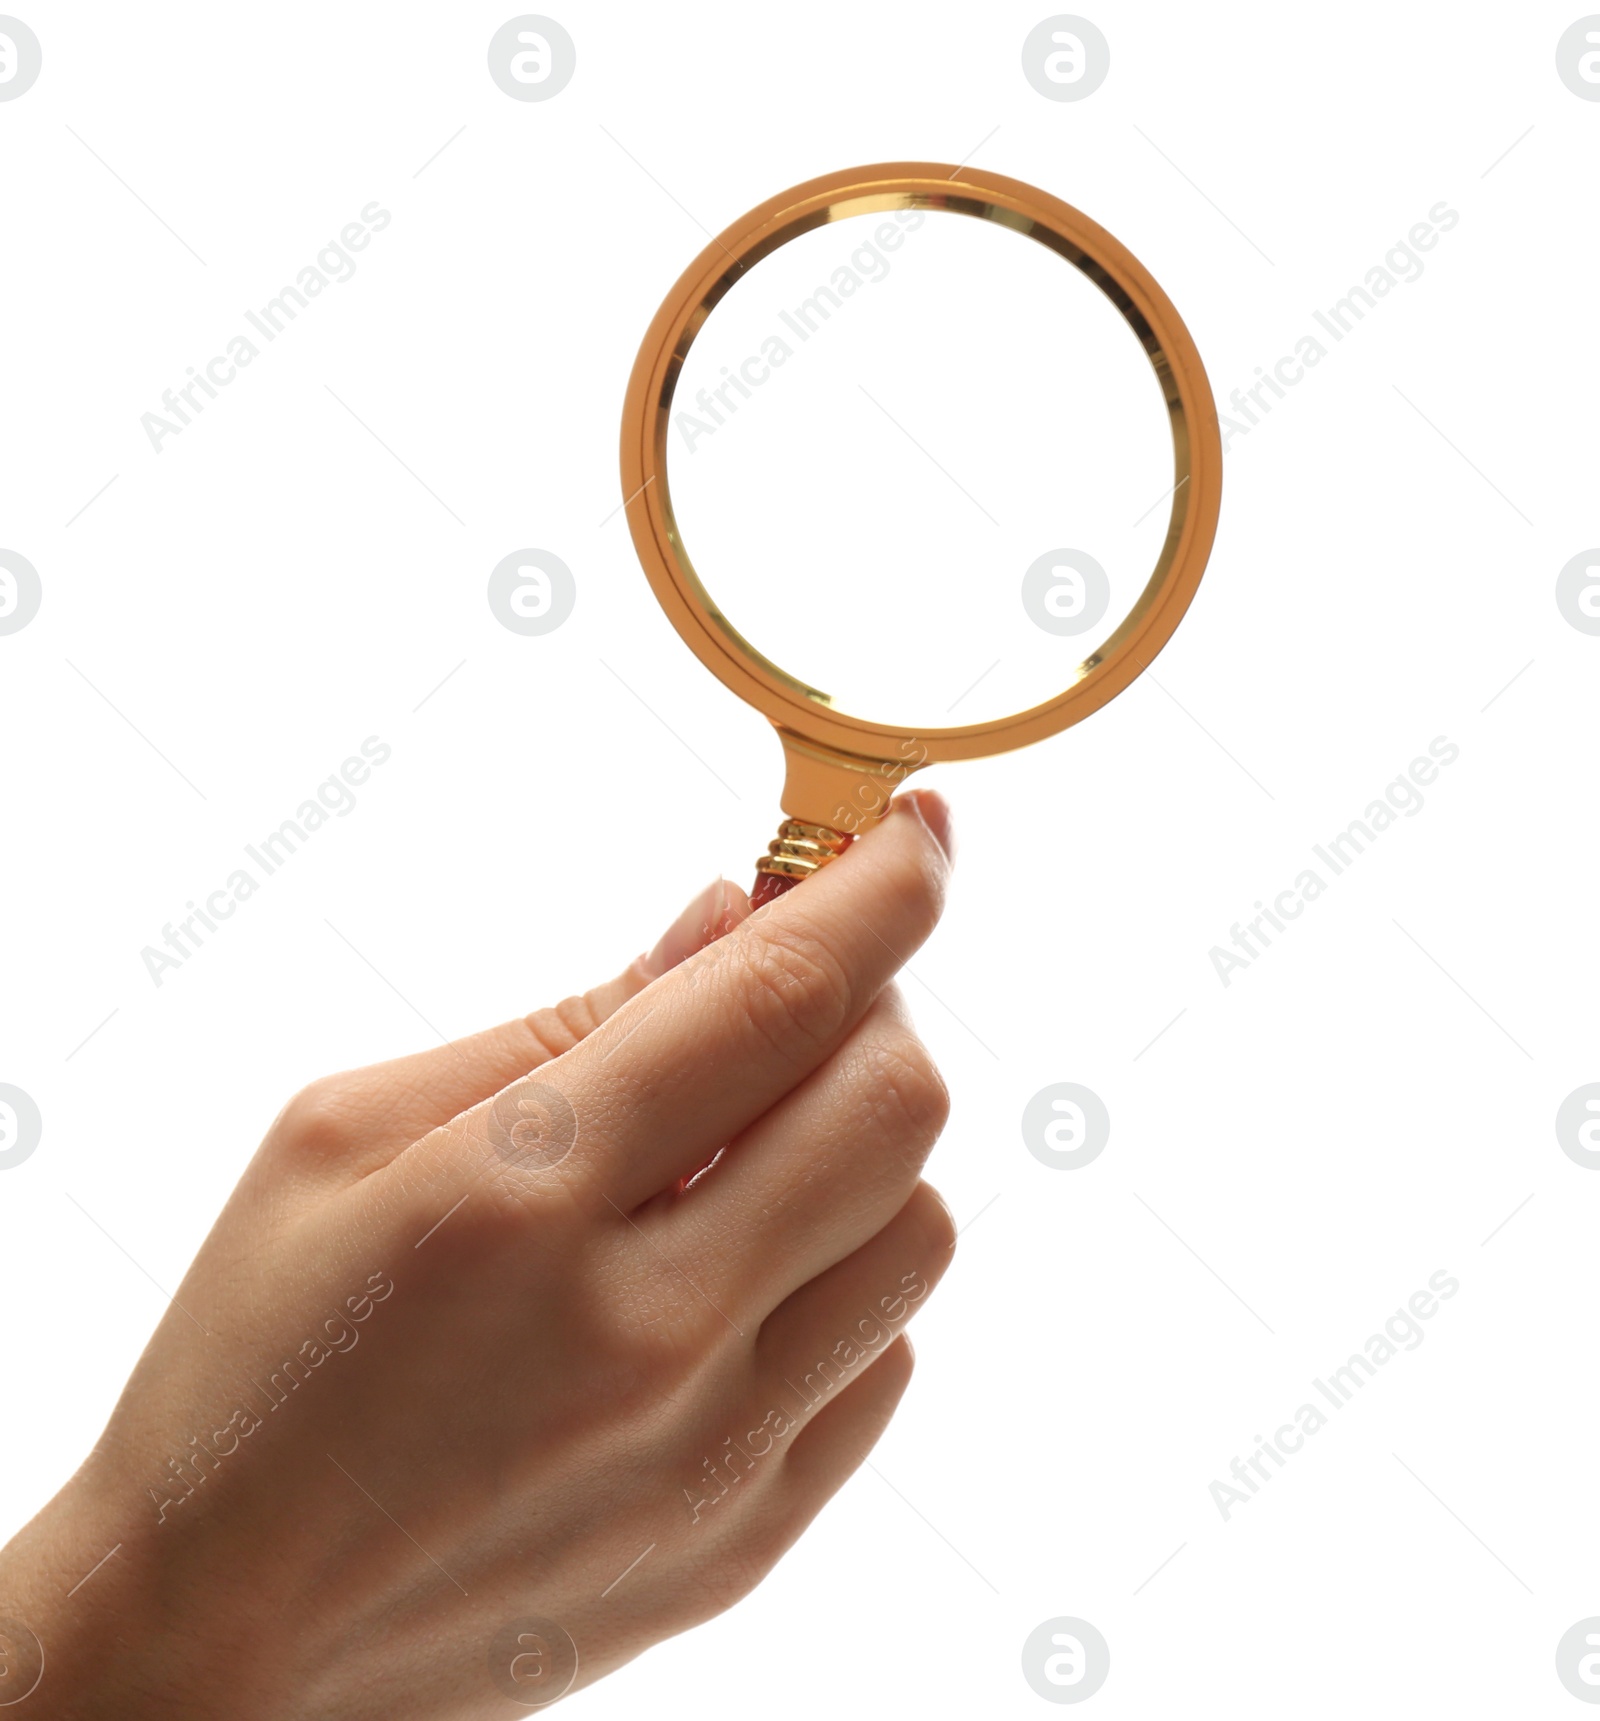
508	1352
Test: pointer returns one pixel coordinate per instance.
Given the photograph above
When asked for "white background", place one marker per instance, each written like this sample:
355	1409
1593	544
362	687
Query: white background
1293	1156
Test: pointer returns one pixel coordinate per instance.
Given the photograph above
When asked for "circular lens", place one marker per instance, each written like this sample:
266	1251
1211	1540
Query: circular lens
922	464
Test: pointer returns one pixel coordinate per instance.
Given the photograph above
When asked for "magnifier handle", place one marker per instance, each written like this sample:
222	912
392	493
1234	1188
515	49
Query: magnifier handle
769	886
793	855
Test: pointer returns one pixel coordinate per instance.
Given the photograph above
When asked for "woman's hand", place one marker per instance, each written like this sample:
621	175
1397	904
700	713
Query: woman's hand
464	1401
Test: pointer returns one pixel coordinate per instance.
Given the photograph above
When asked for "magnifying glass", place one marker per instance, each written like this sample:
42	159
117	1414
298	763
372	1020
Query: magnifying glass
871	545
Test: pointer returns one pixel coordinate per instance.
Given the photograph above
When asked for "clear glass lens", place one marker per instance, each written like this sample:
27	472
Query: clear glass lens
922	464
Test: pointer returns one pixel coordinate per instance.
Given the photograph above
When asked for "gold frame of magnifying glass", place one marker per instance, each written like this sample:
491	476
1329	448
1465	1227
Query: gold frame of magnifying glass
842	769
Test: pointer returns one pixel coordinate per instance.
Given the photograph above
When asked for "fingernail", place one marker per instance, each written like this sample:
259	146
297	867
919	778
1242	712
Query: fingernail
697	926
934	811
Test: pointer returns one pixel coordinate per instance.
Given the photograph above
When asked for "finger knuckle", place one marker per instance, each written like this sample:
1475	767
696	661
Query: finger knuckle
924	898
519	1207
718	1584
904	1091
936	1222
559	1028
675	1344
768	1537
322	1121
738	1562
919	892
797	994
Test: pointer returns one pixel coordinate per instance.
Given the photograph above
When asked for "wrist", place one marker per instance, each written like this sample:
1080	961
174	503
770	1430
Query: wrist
78	1638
